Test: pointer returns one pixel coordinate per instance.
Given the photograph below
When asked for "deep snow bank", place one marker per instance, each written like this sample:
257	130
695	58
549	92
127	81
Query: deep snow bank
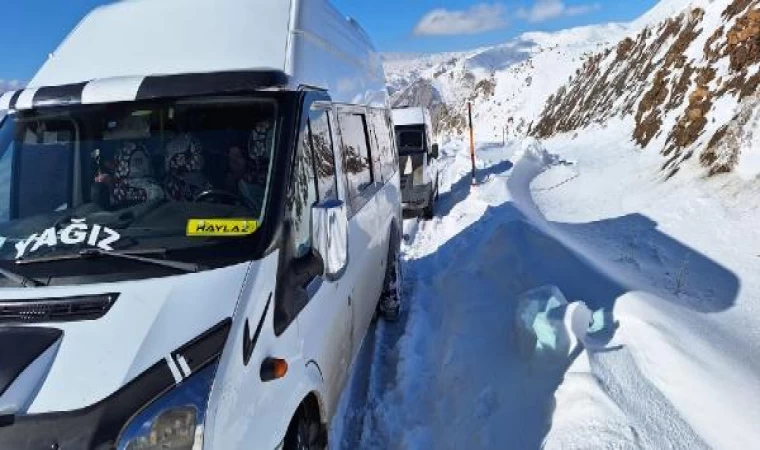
654	366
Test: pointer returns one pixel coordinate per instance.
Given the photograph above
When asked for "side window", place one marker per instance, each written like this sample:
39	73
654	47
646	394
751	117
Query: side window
302	195
385	137
324	158
376	152
356	156
45	166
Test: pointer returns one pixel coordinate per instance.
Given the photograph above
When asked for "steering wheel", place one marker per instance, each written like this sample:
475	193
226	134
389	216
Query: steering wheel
221	195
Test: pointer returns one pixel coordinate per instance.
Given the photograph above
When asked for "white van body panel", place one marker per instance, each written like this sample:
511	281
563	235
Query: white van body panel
245	412
184	36
150	319
308	40
331	52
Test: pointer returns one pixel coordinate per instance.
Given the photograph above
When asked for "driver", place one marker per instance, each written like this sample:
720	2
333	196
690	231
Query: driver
184	169
248	169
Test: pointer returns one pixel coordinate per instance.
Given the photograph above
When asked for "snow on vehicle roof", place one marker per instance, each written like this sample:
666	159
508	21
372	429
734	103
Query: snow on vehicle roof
307	40
409	116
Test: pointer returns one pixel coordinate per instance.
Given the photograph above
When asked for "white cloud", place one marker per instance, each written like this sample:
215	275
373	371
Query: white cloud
582	9
477	19
544	10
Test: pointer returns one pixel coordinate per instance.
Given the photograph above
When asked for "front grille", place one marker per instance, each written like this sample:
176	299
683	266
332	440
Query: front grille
71	309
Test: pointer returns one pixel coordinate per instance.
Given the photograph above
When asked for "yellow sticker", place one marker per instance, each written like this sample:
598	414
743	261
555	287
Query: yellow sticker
221	227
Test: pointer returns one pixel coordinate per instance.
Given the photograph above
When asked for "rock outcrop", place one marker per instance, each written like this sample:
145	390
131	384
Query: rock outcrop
683	81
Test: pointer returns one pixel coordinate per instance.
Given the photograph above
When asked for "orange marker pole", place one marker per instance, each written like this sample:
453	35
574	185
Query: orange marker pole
472	141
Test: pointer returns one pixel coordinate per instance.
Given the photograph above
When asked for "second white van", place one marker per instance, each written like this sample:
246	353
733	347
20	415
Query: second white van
418	156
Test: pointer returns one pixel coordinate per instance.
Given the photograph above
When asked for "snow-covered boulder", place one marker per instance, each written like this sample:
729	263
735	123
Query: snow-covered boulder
548	327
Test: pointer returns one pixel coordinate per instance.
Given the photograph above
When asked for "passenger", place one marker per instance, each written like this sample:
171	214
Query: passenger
248	171
133	180
184	169
237	166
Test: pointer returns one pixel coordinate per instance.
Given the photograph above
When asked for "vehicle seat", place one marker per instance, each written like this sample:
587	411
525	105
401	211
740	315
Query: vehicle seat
183	166
258	156
134	180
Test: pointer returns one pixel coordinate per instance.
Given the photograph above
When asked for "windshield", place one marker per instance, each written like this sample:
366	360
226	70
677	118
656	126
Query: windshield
410	139
156	175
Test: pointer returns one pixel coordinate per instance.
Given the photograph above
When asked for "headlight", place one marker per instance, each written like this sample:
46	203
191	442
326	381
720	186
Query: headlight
173	421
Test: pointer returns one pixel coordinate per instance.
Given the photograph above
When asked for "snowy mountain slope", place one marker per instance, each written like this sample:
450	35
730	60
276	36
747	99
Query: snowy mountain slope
507	84
662	11
685	74
689	84
671	359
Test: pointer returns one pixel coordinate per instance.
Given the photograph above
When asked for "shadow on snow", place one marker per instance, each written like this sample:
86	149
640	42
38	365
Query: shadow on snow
471	386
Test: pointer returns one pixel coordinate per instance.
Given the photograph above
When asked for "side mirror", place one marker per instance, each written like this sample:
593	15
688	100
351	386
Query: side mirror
330	236
435	151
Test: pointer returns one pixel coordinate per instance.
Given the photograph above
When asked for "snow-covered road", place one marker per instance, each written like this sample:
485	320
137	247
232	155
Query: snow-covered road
670	361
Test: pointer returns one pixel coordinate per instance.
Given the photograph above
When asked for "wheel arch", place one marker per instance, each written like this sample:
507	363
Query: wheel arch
394	232
313	404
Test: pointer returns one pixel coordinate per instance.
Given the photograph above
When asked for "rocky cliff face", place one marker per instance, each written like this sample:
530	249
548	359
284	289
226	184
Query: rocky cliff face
690	84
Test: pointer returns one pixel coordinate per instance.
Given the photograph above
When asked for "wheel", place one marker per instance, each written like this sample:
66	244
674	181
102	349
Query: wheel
305	432
389	307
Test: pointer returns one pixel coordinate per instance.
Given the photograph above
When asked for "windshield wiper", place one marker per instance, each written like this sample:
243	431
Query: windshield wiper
130	256
20	279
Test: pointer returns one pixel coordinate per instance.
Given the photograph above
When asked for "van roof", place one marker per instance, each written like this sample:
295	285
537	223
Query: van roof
409	116
308	41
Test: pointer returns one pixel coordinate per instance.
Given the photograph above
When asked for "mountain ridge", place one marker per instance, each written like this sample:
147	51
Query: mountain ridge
684	77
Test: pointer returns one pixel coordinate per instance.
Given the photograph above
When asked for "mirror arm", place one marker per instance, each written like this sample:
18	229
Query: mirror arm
308	268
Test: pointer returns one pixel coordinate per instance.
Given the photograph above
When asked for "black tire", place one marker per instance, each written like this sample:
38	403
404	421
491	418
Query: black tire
389	307
305	432
428	213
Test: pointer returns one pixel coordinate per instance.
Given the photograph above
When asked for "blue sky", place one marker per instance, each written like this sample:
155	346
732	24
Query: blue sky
395	25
